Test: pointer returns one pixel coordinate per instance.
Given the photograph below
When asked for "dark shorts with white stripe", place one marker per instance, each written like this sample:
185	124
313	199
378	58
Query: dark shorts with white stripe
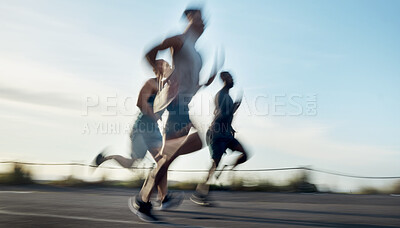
218	143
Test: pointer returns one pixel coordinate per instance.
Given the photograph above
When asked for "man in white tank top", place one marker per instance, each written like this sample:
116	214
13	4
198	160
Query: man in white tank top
178	91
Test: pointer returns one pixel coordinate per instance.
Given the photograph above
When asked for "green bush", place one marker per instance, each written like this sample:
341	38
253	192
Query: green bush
395	189
369	191
19	176
301	183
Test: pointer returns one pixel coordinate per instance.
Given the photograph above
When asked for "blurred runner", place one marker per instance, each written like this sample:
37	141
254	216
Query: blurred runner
177	93
145	135
220	136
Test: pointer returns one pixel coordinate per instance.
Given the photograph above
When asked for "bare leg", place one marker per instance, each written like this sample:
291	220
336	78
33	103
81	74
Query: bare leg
242	158
123	161
220	172
191	143
162	187
203	188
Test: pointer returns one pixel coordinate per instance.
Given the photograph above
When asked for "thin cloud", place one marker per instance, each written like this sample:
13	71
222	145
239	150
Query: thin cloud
46	99
310	140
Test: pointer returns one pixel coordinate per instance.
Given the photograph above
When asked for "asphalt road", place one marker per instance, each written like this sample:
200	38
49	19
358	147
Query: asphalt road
107	207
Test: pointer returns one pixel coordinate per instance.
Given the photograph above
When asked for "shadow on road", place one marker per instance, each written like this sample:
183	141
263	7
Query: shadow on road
196	215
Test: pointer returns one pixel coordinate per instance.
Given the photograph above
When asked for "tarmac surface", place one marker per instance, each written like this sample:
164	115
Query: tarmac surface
36	206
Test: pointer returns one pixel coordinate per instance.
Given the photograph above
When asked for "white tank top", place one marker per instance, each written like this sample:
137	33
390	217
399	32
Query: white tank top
184	80
188	64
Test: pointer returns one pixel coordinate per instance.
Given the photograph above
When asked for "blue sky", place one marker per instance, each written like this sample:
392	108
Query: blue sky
55	54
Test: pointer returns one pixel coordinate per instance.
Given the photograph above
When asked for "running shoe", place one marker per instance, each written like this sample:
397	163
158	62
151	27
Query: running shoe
171	201
141	209
200	199
99	159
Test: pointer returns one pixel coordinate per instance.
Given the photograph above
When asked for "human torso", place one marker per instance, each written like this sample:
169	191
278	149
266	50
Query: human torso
188	63
224	109
183	83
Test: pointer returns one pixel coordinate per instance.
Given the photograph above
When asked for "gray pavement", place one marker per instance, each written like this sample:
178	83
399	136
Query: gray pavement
36	206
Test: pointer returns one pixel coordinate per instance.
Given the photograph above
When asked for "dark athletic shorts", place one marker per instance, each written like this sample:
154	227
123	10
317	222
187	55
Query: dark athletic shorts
178	118
218	143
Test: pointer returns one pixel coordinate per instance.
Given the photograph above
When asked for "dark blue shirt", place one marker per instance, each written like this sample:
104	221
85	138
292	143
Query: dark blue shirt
224	109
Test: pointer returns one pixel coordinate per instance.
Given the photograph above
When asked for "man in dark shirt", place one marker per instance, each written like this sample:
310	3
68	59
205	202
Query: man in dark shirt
220	136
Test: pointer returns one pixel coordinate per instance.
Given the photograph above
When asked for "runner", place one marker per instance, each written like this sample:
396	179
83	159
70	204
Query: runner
179	90
145	135
220	137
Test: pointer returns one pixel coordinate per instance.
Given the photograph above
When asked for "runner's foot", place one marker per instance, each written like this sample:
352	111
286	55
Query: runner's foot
100	158
141	209
171	201
200	199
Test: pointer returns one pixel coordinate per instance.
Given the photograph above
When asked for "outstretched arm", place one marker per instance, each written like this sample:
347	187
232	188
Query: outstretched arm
236	105
210	80
173	42
219	62
212	76
238	101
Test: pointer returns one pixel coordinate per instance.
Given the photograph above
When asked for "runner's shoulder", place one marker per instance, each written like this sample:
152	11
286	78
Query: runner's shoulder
149	87
174	41
152	82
